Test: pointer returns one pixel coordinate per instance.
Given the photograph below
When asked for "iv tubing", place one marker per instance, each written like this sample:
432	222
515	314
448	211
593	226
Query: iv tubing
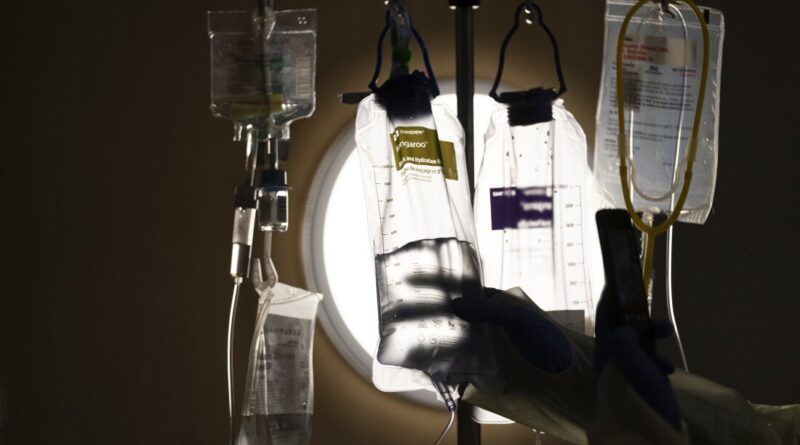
670	309
451	406
446	429
622	143
237	284
670	233
266	245
670	193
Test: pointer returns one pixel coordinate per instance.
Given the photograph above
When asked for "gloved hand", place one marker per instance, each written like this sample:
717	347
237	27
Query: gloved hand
537	339
646	374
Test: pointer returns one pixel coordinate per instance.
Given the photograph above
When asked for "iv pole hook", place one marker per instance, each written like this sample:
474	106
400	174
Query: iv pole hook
665	6
401	34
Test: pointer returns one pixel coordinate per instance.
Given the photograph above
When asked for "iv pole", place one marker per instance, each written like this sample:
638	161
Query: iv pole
465	77
469	431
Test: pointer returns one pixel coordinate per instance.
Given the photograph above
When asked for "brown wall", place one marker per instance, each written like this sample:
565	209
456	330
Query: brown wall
116	214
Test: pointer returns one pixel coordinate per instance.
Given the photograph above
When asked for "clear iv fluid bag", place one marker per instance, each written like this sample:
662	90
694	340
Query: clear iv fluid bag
263	67
534	215
279	393
420	221
663	59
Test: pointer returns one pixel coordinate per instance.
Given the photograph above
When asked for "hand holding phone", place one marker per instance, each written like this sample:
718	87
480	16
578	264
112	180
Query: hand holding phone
624	285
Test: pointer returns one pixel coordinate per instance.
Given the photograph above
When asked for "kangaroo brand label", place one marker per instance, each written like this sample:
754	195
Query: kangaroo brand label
421	146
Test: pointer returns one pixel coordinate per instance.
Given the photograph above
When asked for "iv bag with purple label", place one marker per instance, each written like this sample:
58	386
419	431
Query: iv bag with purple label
534	216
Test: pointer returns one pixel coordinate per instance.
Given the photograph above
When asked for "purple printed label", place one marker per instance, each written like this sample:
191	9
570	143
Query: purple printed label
521	208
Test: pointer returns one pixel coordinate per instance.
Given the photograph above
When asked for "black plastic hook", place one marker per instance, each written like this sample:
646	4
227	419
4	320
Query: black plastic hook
665	7
666	4
400	25
379	62
529	7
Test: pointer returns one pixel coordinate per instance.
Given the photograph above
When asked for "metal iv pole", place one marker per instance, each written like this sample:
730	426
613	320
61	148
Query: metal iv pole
465	77
469	431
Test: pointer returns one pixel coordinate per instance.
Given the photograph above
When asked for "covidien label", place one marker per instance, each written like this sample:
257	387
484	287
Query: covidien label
422	148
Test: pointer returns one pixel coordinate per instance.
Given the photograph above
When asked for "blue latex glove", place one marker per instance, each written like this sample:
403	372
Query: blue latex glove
646	374
537	339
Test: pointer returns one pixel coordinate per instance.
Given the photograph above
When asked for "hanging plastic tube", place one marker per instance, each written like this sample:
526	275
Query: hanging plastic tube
661	58
263	66
653	75
654	231
657	133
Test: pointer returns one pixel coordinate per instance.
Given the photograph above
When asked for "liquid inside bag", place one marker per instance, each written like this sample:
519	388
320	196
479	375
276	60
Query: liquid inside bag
662	57
279	394
418	329
535	218
420	221
263	68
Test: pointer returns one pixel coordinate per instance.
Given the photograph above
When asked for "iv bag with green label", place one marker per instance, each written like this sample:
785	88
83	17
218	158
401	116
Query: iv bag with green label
662	57
419	214
263	67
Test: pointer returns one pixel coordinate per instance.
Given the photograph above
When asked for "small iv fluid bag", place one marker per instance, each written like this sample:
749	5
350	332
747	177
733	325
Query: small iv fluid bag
263	67
279	393
663	59
420	222
534	217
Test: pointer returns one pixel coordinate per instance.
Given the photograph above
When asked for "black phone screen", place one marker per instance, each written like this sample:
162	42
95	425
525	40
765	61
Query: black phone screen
623	272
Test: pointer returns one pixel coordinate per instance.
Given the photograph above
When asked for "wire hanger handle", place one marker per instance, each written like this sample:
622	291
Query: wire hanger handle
529	7
373	83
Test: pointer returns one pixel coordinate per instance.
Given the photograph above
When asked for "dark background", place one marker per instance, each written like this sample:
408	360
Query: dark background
115	205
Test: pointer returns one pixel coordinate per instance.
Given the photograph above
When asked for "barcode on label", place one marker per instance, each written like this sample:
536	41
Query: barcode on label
303	78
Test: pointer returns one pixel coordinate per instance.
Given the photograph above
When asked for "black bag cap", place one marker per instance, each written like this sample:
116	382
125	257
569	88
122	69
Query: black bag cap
406	95
529	107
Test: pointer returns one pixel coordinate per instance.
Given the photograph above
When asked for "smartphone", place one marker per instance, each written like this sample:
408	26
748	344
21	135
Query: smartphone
624	284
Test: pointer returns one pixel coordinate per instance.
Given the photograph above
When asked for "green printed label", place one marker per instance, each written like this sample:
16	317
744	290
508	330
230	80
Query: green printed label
421	146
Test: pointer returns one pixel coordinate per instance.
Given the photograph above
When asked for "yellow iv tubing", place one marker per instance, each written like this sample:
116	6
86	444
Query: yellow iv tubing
654	231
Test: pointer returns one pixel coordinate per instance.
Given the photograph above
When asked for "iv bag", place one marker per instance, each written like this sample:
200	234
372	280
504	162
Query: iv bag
279	391
662	66
533	214
420	223
263	67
